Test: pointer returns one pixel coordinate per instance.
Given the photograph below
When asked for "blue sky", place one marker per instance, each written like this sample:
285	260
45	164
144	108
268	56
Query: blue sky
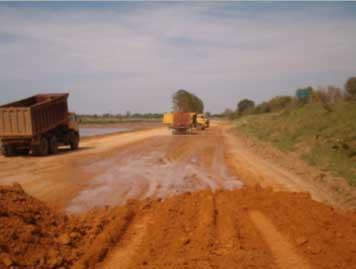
114	56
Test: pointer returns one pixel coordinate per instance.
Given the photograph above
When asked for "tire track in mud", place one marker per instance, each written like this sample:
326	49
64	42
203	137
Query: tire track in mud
206	230
238	243
285	254
122	255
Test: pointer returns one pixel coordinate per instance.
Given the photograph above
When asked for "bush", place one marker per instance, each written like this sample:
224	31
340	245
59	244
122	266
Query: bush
350	87
245	106
262	108
280	102
277	103
327	96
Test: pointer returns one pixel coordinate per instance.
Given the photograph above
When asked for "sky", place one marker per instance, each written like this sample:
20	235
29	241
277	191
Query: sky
113	57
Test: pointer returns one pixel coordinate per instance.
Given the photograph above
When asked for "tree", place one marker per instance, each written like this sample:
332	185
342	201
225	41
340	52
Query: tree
327	96
350	87
245	106
185	101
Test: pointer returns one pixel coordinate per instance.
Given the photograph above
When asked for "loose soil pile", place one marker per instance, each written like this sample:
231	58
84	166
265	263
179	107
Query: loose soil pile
224	230
246	228
34	236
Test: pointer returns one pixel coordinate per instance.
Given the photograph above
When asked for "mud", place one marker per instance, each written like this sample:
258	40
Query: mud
58	179
158	168
91	131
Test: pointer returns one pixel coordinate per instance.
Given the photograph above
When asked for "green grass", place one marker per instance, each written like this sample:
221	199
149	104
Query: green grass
324	139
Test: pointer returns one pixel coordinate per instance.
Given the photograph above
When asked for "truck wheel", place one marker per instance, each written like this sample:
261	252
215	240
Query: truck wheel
53	145
8	150
42	149
22	151
74	141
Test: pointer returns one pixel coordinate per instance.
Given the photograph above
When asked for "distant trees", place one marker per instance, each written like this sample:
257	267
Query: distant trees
350	87
326	96
275	104
245	106
185	101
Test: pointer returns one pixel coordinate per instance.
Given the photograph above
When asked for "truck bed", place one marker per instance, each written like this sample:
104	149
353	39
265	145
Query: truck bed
34	115
182	120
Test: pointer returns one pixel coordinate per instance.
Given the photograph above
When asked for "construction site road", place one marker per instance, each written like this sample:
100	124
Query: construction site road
189	201
109	170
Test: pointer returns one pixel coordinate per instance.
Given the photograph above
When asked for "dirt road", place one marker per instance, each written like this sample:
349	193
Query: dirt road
110	170
190	204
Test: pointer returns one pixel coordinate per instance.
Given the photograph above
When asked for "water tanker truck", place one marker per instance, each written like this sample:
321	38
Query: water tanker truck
38	125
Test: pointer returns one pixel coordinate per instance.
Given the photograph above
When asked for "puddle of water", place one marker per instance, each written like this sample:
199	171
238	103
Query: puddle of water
139	176
90	131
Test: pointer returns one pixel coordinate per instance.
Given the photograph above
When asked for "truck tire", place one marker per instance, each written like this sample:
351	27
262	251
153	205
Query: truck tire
22	151
42	149
73	140
53	145
8	150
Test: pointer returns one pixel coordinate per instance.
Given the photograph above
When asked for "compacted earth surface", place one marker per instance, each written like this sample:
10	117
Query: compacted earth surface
148	199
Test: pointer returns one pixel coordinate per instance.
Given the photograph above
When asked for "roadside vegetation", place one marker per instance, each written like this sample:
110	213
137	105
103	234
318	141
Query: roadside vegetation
318	125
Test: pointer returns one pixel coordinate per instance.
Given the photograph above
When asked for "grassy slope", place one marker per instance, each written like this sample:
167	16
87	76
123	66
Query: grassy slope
324	139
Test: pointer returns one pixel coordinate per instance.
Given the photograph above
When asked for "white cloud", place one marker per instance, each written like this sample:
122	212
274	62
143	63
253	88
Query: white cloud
135	57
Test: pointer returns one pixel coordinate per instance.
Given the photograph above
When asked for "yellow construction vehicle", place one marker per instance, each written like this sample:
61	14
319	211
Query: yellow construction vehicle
168	119
202	122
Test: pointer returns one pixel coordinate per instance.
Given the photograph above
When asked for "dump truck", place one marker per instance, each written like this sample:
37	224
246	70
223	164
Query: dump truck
38	125
183	122
202	122
168	119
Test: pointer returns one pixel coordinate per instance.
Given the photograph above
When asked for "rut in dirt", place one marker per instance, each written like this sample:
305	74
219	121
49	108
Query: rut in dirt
245	228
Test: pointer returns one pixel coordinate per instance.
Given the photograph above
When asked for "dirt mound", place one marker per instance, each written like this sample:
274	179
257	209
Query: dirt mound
247	228
35	236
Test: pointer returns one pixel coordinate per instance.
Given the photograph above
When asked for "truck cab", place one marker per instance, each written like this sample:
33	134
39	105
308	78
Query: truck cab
168	119
73	122
202	121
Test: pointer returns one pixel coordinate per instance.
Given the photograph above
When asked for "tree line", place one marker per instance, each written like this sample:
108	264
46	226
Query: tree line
327	96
